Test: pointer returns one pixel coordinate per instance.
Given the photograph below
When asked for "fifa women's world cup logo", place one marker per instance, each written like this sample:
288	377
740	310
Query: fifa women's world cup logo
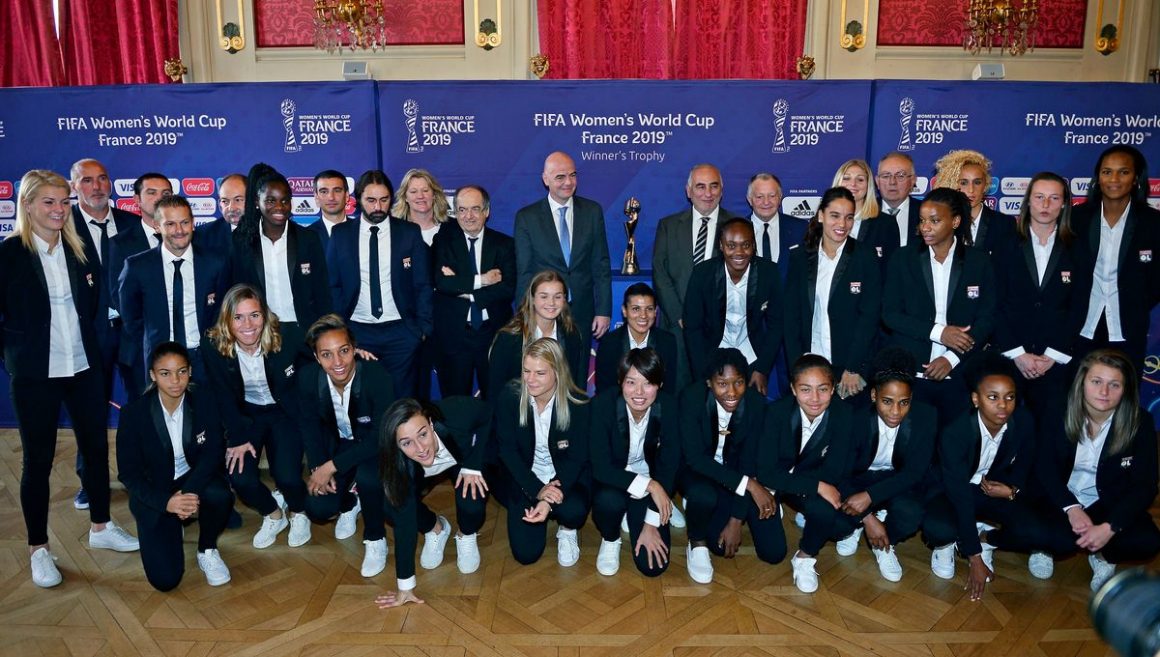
905	114
410	116
780	111
288	110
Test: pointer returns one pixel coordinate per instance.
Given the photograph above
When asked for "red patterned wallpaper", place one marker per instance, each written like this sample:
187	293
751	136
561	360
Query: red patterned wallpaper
284	23
940	23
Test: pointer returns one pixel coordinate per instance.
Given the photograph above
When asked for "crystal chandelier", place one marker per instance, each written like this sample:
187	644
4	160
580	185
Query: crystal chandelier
354	24
1008	24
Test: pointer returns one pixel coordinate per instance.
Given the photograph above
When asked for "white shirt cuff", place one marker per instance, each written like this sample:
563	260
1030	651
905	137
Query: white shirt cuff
477	282
1057	356
952	358
469	471
652	518
936	333
741	487
407	584
639	487
1014	353
1069	507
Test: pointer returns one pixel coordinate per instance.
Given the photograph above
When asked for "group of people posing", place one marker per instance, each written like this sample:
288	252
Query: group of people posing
935	367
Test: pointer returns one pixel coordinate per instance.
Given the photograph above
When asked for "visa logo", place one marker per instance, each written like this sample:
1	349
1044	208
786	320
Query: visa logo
1010	205
1079	186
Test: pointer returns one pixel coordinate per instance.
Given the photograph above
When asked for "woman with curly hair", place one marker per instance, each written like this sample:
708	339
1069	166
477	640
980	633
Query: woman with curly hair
970	172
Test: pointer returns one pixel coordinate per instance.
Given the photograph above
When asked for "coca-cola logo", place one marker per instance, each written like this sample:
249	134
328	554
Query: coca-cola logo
1154	187
5	189
128	205
197	186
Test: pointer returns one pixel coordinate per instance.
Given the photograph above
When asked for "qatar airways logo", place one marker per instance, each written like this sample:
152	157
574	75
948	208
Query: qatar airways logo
197	186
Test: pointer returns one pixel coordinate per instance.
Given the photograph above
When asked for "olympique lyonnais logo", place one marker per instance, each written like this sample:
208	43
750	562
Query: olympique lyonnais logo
905	115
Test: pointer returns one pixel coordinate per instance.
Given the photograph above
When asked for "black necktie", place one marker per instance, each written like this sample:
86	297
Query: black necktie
376	284
702	241
476	311
178	304
765	247
103	226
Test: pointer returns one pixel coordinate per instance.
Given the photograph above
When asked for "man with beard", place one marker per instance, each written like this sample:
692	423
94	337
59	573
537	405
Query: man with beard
380	280
232	201
331	194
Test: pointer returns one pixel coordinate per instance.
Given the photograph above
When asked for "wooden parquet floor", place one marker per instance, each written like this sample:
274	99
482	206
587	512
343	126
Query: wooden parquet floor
311	601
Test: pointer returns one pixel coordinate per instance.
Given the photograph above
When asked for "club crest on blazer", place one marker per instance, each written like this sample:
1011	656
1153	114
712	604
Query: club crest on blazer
855	287
200	438
89	279
1145	255
878	250
972	291
1065	276
289	371
407	262
364	419
1126	462
561	444
304	268
211	299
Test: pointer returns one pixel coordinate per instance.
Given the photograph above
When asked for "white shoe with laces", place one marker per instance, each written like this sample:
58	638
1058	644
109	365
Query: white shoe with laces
347	521
44	571
1041	565
269	531
700	564
467	553
942	561
888	564
567	547
216	571
374	557
113	538
1102	571
299	530
849	545
804	575
608	558
434	543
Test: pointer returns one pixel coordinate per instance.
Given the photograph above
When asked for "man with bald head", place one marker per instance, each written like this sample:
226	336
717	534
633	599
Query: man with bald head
565	232
218	234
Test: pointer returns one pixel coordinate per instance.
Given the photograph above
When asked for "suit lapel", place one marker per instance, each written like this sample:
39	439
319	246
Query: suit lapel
752	308
901	441
187	443
38	267
157	413
292	254
1052	263
924	266
819	441
977	443
840	270
1029	260
1126	240
984	226
813	261
355	407
957	266
71	264
622	430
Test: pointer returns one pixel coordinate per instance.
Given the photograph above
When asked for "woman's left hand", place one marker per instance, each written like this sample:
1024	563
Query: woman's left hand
393	599
1096	537
476	483
236	457
850	385
364	354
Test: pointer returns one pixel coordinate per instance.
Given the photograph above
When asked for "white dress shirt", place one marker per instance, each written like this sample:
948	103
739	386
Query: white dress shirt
759	228
808	429
279	294
1082	482
736	334
95	232
428	234
633	344
723	418
175	427
542	465
976	219
477	282
66	349
362	309
537	334
340	401
189	294
884	456
820	342
941	277
253	369
988	448
150	236
445	460
1105	296
638	465
712	232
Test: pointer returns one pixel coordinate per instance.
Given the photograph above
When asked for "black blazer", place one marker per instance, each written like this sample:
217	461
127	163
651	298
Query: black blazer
145	461
372	391
128	242
673	260
886	239
229	390
699	436
449	249
505	361
911	459
996	231
1126	482
705	306
1035	315
855	306
958	455
614	346
517	444
122	221
216	235
880	233
306	261
826	457
908	307
25	313
610	436
791	231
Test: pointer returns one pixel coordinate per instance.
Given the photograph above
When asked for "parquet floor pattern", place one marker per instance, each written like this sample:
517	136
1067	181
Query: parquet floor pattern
311	601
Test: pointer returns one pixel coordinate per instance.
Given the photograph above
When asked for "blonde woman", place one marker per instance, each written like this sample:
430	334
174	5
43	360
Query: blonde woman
421	201
970	172
855	176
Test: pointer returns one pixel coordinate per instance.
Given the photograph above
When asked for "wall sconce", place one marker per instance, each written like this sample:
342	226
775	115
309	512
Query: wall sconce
233	34
854	33
1108	40
488	36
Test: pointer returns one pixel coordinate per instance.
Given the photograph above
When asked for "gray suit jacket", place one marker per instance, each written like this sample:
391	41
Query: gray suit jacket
673	262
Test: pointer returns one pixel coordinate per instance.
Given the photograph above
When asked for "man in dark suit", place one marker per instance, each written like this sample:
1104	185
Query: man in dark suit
475	282
381	283
735	301
681	243
565	232
148	189
895	181
775	234
331	193
170	293
232	201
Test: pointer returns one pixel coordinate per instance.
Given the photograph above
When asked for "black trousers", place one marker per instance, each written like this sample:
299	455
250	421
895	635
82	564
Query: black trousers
528	540
459	362
822	521
950	396
1047	396
608	506
162	552
108	341
903	511
708	508
275	431
397	348
1135	349
321	508
940	524
37	404
469	513
1033	525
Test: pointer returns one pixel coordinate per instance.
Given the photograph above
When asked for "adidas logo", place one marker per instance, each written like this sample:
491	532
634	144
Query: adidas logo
305	205
802	208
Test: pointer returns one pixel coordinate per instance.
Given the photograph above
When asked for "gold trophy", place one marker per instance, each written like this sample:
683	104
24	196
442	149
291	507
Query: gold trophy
632	211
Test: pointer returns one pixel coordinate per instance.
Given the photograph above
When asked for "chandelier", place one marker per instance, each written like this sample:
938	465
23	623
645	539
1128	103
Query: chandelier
1008	24
354	24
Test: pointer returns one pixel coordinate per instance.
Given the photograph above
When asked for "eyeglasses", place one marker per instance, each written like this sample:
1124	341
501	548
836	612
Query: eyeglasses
895	177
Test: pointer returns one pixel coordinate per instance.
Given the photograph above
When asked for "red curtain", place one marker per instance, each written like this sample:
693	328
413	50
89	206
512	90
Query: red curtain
122	42
29	51
738	38
606	38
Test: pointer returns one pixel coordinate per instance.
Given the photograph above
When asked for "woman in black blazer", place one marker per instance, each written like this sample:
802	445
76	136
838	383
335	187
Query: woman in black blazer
421	445
542	423
169	456
635	452
833	294
1044	284
543	313
910	309
969	172
639	330
1095	476
892	444
720	430
48	302
855	176
251	372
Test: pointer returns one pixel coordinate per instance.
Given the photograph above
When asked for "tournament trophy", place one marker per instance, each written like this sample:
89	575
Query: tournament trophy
632	211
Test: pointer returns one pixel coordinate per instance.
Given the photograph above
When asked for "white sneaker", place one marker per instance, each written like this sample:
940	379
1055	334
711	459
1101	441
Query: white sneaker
849	545
114	538
888	565
677	519
467	553
44	571
433	544
374	557
800	520
347	521
216	571
804	575
700	564
624	523
567	547
1102	571
279	499
269	531
608	558
942	562
299	530
1041	565
988	555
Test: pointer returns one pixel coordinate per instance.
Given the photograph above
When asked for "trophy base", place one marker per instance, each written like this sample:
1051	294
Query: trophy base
630	268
